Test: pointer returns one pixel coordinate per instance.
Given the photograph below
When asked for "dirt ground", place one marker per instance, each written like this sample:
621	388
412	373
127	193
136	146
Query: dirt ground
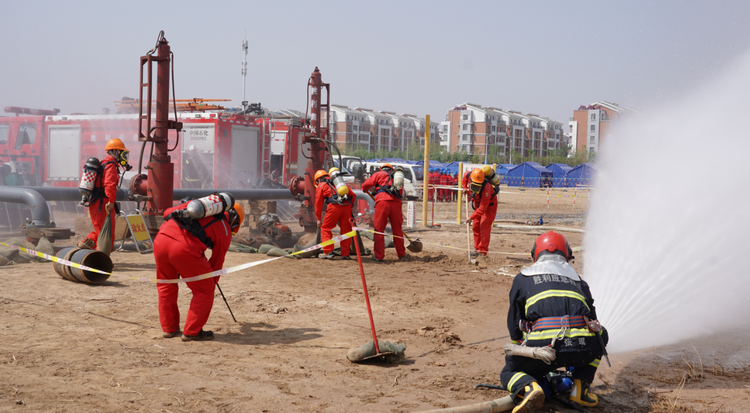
71	347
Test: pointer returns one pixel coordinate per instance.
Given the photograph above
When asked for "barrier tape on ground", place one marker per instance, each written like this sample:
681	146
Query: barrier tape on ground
453	188
217	273
575	249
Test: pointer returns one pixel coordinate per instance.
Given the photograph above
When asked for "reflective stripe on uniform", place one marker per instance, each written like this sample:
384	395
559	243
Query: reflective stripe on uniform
514	379
555	293
550	334
595	363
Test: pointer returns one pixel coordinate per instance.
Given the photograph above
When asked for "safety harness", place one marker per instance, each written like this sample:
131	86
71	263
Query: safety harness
475	202
388	189
335	198
98	192
563	323
194	228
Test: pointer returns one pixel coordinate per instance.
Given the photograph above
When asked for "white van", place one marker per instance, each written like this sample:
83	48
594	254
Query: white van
413	177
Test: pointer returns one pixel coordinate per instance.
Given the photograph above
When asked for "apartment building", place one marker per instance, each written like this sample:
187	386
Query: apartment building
483	130
590	124
362	128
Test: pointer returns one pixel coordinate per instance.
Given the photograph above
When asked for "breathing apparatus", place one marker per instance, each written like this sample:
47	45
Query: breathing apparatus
337	180
398	177
477	181
214	204
490	175
91	169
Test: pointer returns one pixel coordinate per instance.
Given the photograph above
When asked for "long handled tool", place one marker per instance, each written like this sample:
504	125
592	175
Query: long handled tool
367	298
225	302
468	233
414	246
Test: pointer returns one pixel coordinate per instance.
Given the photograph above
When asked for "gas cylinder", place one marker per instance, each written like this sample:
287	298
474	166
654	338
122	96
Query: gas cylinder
338	181
91	169
209	205
398	178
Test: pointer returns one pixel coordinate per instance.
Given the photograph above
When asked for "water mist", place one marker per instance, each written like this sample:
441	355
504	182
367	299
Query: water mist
668	230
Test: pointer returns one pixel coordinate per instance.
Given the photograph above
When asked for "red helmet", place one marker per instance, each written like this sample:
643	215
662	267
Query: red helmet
551	242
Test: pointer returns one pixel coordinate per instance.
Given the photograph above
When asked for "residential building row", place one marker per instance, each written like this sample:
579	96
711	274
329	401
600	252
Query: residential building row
591	123
476	129
485	130
360	128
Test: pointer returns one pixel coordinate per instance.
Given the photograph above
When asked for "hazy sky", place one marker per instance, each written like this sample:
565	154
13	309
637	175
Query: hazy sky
419	57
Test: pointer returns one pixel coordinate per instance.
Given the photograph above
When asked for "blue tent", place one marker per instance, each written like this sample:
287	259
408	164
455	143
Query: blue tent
502	170
452	168
582	174
394	160
433	164
529	175
558	174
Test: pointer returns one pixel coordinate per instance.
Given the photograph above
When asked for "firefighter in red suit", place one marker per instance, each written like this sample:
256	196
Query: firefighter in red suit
445	180
338	210
387	208
105	191
484	201
430	183
179	252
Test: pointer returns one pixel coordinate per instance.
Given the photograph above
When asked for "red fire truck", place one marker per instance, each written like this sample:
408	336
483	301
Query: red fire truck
216	149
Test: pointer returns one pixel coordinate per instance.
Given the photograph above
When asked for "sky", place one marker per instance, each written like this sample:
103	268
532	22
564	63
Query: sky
417	57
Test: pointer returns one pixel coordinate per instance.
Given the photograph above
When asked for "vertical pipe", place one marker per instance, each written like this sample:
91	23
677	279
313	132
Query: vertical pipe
426	167
160	183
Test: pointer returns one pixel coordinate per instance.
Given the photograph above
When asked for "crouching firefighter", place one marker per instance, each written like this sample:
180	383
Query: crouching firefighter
484	202
188	231
552	323
387	184
334	197
98	187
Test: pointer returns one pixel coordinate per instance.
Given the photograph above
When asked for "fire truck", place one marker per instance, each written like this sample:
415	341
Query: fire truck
215	149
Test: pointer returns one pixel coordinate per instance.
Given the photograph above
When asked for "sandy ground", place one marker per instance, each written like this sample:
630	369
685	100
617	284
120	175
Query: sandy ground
70	347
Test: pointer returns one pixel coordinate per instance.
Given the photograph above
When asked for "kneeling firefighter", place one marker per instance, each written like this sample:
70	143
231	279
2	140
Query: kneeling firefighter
552	323
188	231
387	185
334	197
98	186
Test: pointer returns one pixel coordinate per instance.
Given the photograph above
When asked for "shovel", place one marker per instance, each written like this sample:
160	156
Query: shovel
414	246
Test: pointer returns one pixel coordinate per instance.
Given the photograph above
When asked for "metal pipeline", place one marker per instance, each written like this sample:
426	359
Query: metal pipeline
32	198
71	194
90	258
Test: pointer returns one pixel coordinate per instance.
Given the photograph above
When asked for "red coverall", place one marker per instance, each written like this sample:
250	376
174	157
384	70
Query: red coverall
98	210
445	180
430	183
387	208
335	214
485	209
179	254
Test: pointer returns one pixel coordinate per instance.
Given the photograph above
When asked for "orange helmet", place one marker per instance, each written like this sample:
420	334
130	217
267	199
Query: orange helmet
386	165
551	242
477	176
240	214
320	174
115	144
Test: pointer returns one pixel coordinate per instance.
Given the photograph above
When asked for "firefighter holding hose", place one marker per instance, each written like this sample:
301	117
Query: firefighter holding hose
552	323
188	231
484	201
387	184
105	177
336	198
